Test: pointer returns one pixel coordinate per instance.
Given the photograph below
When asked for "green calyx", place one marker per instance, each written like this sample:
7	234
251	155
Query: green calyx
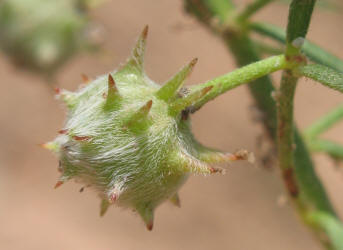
131	139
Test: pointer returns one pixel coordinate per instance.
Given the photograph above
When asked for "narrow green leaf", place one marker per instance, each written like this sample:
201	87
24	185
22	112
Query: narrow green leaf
325	122
331	148
313	51
299	18
324	75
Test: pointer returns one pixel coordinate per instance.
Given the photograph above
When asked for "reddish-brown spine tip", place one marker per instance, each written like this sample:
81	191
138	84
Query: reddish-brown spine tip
85	78
111	82
150	225
58	184
81	138
63	131
57	90
145	32
148	105
193	62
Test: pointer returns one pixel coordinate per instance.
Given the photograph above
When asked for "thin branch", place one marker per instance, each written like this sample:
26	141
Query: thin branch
240	76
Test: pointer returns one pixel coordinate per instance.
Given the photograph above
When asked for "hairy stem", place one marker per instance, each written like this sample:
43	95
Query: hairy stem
242	75
285	129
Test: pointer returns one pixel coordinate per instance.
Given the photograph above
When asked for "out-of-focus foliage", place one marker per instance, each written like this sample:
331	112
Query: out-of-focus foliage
42	34
332	5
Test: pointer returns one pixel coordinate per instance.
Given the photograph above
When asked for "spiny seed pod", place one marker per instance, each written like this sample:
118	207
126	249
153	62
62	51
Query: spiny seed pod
41	35
131	139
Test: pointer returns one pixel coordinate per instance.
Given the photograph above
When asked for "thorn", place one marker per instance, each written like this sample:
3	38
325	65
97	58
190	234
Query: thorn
137	57
145	32
169	90
112	88
81	138
58	184
142	113
193	62
85	78
63	131
194	165
111	83
147	214
150	225
146	108
112	92
242	154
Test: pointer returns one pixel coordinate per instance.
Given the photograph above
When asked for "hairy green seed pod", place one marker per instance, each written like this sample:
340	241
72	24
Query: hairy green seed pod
131	139
42	34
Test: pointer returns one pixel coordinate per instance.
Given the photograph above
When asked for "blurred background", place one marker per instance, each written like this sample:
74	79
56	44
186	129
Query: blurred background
245	209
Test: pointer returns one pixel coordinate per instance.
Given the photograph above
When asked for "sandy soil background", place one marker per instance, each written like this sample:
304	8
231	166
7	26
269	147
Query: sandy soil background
236	211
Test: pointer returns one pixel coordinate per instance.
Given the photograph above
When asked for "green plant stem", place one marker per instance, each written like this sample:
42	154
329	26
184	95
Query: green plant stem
251	9
298	23
313	51
239	76
285	99
312	196
325	122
